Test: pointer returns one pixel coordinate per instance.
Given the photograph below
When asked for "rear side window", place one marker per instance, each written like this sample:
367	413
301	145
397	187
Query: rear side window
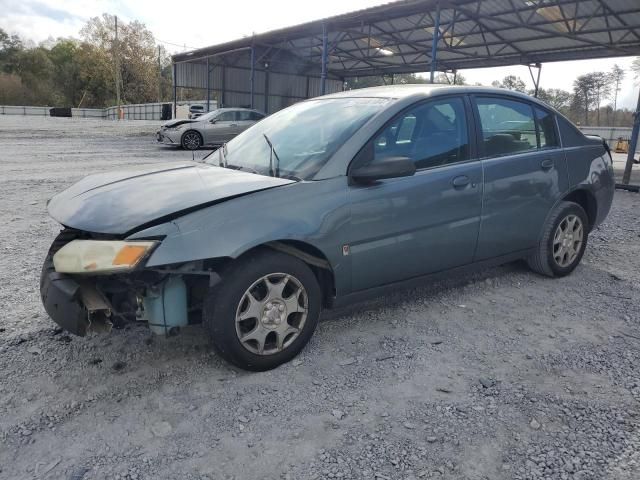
255	116
546	128
508	126
571	136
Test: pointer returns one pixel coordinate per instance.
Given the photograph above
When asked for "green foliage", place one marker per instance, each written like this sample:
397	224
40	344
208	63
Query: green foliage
73	73
511	82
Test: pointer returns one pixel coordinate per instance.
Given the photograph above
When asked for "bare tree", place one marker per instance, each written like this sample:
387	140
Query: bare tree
583	94
511	82
617	75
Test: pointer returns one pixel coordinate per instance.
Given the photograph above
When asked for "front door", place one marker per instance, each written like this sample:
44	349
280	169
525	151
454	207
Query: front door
222	128
525	173
410	226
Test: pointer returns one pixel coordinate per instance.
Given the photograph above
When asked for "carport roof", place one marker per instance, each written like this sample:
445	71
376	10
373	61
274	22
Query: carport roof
397	37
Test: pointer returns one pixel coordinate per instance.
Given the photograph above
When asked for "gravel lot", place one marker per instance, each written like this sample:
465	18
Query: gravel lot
498	375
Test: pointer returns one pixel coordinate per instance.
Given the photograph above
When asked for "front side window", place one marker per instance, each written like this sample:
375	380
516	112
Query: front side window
431	134
255	116
508	126
227	116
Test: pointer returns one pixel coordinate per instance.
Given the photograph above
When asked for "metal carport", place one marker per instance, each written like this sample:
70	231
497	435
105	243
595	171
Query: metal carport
274	69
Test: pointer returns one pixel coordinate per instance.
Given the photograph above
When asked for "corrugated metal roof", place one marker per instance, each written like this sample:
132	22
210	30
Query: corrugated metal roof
396	37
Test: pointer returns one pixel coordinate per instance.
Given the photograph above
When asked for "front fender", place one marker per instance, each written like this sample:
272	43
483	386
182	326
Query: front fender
316	213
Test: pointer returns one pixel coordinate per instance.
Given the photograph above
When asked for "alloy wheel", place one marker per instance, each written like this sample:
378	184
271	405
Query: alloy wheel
567	240
191	140
271	313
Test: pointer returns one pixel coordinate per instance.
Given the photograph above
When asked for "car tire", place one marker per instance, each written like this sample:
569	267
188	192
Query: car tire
264	311
191	140
563	241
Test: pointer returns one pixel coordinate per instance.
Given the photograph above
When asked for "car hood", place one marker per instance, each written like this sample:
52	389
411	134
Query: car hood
177	123
124	201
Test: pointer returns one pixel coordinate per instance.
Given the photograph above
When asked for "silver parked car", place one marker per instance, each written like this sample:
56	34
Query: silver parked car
213	128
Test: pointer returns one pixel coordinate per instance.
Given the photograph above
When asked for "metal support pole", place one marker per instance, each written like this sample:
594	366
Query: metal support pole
434	43
208	87
455	76
323	75
175	92
253	60
535	80
266	91
222	102
633	143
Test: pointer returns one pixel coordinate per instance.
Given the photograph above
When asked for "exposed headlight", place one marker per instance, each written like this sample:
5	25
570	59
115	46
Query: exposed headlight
101	256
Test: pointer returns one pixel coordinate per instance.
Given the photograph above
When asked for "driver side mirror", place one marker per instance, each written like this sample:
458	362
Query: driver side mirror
390	167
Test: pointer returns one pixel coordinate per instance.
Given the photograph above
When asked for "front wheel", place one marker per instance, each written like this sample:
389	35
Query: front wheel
563	241
191	140
264	311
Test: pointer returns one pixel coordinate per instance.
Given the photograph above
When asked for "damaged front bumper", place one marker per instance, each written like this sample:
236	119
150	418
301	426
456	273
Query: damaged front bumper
77	308
167	137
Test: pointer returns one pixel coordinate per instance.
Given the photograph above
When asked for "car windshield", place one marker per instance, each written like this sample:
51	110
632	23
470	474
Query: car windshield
208	116
304	136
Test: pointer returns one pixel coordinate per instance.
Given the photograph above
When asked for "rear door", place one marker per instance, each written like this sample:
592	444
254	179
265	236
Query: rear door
410	226
525	172
246	118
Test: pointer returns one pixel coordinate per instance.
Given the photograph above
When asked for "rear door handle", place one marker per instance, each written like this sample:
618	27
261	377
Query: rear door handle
546	164
461	181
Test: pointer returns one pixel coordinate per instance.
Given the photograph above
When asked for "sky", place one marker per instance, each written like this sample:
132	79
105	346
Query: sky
198	23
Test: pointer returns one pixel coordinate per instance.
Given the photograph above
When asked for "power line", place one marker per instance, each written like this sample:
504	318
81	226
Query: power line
175	44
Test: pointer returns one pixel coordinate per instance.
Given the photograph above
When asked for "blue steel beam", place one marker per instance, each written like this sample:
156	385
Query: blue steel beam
633	144
325	53
253	59
208	86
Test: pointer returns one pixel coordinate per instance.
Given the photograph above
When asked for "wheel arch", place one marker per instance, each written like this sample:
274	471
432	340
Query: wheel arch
587	201
315	259
194	131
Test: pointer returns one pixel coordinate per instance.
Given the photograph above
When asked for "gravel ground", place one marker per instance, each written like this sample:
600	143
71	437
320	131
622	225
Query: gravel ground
498	375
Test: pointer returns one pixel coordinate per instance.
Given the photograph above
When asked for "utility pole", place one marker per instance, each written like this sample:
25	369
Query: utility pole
159	77
117	62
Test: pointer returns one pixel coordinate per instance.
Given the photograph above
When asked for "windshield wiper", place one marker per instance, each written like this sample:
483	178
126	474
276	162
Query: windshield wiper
222	162
241	168
271	155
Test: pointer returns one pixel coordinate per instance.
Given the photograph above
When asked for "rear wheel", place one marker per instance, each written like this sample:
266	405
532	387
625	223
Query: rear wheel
563	241
191	140
264	312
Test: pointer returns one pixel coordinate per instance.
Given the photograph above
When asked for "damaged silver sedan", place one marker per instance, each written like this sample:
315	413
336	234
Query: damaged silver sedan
326	202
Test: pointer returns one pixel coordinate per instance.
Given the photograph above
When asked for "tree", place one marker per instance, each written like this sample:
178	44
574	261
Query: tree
555	97
511	82
617	75
635	68
583	94
137	54
601	90
457	79
10	48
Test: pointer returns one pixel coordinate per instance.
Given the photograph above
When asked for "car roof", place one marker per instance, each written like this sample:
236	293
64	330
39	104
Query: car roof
416	89
227	109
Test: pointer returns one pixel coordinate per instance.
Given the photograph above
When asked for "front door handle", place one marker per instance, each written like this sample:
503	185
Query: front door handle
546	164
460	182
